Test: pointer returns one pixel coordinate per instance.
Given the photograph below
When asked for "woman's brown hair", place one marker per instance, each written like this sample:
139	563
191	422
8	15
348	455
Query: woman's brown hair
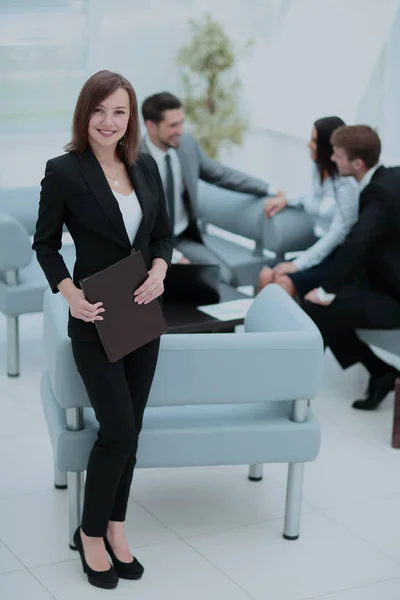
98	87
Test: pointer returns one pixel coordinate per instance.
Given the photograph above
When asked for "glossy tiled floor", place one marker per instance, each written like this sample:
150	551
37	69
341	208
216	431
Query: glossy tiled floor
208	533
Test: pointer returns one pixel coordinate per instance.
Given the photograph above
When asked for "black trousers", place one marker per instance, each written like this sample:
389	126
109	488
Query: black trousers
118	393
353	308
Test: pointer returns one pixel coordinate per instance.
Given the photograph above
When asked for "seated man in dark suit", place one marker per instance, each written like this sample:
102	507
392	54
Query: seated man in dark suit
362	286
181	163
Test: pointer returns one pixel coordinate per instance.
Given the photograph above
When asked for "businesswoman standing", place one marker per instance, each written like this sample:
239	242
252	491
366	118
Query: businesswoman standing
111	199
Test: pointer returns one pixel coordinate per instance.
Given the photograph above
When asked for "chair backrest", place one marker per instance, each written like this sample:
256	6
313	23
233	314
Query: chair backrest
291	230
15	245
207	369
22	204
241	214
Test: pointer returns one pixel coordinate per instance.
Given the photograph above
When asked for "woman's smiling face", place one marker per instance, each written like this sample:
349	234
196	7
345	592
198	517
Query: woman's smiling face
109	120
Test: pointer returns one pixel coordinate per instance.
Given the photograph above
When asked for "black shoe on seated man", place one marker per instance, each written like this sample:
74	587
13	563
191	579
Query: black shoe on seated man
378	388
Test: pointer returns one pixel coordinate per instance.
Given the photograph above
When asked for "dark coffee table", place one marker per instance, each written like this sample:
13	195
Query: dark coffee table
185	318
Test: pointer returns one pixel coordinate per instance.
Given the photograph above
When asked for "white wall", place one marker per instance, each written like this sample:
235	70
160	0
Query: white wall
319	63
390	114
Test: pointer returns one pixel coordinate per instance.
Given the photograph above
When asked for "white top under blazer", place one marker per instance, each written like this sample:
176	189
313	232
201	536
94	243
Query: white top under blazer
131	213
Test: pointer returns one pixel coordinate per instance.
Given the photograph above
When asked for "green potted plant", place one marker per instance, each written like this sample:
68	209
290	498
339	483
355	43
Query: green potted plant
210	93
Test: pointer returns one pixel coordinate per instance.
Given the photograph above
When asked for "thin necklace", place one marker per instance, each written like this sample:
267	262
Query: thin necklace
113	179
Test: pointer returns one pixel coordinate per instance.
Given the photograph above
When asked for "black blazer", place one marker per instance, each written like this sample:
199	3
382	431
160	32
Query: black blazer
75	192
371	251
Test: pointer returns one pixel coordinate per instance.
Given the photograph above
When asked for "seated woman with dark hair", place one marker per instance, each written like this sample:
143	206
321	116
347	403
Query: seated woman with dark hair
333	207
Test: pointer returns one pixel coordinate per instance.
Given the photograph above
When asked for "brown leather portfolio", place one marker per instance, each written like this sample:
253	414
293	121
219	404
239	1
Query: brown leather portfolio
127	325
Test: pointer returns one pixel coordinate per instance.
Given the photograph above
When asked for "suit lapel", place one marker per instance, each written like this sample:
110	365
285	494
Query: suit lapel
139	186
187	181
97	182
364	196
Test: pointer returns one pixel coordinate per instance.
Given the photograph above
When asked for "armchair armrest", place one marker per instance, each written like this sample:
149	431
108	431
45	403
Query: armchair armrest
66	383
242	214
288	231
15	245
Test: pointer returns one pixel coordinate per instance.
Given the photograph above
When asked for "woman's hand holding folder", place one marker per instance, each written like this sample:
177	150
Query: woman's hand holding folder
153	287
79	307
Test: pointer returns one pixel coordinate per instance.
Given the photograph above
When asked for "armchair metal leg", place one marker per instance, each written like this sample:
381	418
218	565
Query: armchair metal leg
12	346
294	489
294	492
256	472
75	500
60	479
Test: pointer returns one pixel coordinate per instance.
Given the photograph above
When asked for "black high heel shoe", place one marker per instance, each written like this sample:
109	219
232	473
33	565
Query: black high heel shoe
131	570
107	580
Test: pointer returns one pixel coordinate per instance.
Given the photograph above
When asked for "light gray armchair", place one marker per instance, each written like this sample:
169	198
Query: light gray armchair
220	399
22	283
243	214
